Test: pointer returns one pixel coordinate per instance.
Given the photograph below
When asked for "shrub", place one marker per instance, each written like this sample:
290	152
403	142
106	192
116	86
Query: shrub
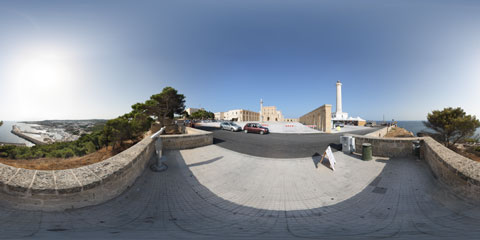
90	147
115	132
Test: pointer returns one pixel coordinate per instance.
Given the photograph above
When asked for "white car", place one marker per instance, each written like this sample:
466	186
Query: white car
230	126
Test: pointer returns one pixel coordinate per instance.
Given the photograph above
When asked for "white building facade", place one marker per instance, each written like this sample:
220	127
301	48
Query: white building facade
240	115
192	110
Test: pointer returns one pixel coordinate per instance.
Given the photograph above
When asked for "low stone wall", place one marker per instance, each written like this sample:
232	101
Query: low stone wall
380	133
73	188
386	147
191	139
456	171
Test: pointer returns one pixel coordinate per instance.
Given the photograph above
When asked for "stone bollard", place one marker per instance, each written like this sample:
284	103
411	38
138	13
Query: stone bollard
159	165
366	151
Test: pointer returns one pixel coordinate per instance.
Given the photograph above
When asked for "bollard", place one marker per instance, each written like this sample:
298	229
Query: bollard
159	165
366	151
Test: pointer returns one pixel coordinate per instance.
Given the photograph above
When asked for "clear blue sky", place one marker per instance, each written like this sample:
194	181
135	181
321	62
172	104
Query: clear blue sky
94	59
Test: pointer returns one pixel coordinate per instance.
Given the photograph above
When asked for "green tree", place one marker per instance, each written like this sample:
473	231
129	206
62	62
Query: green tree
140	120
202	114
128	128
185	114
164	105
117	131
452	125
90	147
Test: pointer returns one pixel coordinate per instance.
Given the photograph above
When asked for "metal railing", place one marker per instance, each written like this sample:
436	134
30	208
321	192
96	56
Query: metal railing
159	165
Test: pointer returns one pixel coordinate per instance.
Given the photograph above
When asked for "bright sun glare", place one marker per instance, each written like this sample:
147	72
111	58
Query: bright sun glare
41	78
41	72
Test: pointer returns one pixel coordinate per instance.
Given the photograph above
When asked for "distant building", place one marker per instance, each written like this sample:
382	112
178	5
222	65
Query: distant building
192	110
219	115
320	118
271	114
290	119
240	115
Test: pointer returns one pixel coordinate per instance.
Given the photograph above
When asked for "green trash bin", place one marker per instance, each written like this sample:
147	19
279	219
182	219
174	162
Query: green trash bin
366	151
416	148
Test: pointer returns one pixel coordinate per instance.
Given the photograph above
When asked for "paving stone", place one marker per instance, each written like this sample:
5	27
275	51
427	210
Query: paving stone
242	197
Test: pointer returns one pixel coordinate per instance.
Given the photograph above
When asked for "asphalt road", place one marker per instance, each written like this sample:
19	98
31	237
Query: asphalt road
277	145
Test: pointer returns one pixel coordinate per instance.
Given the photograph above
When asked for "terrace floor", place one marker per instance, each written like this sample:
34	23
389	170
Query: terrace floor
215	193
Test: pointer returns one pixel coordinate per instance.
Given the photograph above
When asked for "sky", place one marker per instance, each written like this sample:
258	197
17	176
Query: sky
94	59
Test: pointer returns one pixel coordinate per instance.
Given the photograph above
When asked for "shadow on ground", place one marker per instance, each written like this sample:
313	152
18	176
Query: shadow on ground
403	201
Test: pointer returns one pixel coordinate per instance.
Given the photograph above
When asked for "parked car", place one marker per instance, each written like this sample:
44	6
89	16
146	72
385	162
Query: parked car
338	125
255	128
230	126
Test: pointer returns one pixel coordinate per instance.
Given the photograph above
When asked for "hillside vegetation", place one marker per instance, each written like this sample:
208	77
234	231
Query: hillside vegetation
116	134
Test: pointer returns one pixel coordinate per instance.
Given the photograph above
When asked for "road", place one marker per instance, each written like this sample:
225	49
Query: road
277	145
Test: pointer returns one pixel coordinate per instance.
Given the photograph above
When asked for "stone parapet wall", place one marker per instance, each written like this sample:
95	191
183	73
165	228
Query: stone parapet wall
386	147
73	188
380	133
461	174
456	171
191	139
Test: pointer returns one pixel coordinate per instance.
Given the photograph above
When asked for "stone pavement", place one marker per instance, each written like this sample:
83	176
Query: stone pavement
215	193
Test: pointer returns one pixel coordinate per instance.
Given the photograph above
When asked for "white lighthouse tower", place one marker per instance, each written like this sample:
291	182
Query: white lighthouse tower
338	114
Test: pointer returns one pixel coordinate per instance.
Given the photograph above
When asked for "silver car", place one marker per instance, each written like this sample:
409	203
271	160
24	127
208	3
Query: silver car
230	126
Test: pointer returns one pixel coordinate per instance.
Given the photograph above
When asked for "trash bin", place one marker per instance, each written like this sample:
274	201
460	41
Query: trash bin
344	140
348	144
366	151
416	148
351	141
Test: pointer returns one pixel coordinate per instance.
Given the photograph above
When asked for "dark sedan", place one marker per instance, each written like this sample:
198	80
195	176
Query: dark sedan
255	128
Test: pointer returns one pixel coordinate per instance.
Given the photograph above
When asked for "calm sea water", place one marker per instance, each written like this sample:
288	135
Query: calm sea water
417	126
7	137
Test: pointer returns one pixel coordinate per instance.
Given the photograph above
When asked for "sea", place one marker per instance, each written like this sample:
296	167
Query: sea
417	126
7	137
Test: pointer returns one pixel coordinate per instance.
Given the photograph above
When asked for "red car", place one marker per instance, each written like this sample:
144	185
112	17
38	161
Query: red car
255	128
